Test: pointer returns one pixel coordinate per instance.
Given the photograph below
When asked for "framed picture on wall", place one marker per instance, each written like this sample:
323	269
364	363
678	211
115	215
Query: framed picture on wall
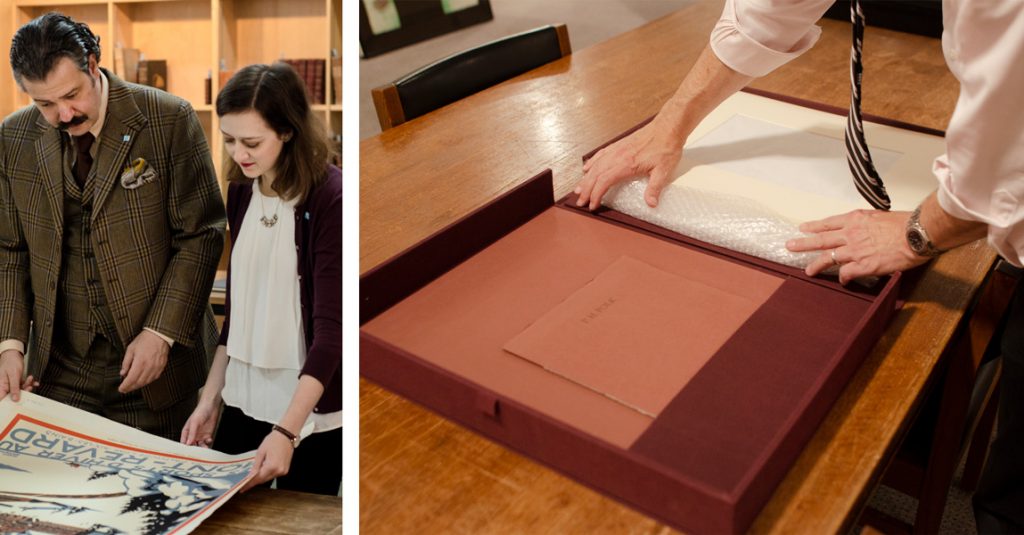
386	25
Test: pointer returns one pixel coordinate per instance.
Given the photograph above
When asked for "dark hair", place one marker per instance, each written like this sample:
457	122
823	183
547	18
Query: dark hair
43	41
278	94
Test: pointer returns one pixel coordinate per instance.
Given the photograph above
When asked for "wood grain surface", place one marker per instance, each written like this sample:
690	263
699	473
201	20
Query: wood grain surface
271	512
422	474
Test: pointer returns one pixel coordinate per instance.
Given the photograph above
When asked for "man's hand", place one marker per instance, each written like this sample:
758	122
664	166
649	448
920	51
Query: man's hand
862	243
652	151
144	361
12	365
273	459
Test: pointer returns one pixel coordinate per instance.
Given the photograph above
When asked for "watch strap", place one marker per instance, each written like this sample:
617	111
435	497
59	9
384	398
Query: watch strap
291	436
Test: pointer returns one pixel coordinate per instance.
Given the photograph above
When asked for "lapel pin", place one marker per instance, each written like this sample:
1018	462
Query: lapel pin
125	138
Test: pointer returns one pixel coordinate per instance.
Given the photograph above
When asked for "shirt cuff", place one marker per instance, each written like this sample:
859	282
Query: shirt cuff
947	199
746	55
170	342
12	344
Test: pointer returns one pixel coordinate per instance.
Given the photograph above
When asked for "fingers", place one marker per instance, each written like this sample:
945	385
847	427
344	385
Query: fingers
601	172
29	384
659	178
855	270
827	259
254	473
129	358
835	222
142	372
601	186
133	379
14	385
817	242
188	433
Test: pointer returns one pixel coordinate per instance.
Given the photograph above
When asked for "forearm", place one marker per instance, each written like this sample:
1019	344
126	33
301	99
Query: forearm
946	231
306	396
215	380
708	83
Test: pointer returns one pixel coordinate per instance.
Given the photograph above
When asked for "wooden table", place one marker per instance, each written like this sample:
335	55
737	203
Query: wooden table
271	512
420	473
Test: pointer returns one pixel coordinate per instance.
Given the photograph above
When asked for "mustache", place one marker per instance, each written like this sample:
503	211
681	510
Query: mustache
75	121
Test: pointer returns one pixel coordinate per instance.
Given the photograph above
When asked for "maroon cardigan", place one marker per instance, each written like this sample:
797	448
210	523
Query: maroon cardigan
318	242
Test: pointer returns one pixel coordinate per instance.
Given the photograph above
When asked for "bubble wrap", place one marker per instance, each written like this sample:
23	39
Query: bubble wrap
729	221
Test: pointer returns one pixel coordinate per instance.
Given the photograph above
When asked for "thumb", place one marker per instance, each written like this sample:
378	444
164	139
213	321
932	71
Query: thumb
257	463
15	389
126	364
657	182
188	433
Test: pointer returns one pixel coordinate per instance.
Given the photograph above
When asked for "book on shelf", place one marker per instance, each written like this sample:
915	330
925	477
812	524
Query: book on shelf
126	63
336	79
311	71
153	72
317	68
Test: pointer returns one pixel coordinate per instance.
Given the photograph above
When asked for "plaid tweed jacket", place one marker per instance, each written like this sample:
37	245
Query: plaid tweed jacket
156	244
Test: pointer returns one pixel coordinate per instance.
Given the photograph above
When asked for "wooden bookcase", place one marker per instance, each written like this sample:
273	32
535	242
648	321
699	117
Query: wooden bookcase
197	38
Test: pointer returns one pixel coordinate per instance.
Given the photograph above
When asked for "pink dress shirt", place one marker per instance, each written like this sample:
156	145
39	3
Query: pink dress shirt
981	176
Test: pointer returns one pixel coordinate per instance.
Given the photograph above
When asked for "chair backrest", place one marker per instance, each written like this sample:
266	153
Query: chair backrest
460	75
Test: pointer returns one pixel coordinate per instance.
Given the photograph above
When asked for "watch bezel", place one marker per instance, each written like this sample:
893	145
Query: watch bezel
917	237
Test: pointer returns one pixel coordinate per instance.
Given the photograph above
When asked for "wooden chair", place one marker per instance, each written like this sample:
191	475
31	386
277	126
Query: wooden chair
460	75
956	417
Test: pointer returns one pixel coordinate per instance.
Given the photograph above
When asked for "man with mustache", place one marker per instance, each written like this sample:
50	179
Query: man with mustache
111	227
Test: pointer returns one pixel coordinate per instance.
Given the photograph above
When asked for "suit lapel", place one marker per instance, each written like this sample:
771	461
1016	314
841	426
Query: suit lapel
123	122
51	162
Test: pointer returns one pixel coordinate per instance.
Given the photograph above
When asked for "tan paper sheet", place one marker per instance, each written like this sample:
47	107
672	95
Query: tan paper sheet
634	333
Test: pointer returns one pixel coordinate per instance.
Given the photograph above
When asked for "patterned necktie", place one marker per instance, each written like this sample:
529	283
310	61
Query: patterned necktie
865	177
83	160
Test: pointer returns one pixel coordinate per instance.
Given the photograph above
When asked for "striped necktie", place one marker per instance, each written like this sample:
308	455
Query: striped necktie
865	177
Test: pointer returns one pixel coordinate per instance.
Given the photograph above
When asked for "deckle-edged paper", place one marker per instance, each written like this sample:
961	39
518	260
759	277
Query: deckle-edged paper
64	471
634	333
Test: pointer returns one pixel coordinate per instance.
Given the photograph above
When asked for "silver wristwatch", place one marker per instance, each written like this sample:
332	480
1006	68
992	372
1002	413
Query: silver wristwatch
917	237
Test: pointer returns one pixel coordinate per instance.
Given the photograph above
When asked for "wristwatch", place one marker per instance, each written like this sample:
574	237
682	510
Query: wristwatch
917	237
294	439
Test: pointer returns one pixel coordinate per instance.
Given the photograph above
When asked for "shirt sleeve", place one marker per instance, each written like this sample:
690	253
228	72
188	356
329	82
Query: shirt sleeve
12	344
754	37
981	176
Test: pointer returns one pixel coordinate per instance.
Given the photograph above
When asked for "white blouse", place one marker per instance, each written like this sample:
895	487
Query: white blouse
266	344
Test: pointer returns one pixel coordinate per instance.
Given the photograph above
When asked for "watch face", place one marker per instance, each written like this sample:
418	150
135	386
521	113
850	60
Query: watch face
916	241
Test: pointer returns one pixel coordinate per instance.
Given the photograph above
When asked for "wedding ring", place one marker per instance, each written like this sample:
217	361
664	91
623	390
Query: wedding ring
835	262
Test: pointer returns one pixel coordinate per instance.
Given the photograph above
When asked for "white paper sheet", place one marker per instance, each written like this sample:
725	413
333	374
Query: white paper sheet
805	161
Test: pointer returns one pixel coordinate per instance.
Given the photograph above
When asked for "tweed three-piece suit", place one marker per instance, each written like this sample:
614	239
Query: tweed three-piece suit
138	243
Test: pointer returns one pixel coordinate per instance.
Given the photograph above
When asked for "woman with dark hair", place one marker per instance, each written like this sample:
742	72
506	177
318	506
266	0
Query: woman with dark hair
277	368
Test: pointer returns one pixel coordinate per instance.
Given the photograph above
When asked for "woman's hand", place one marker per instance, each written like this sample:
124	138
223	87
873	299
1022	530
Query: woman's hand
272	460
198	430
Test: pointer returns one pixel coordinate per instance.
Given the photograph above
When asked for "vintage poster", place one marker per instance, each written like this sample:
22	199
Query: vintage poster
66	471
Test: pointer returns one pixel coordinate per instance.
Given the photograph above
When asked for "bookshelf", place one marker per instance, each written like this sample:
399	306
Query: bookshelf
197	38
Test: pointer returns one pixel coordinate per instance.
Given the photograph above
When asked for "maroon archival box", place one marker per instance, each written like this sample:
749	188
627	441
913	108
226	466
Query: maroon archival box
434	319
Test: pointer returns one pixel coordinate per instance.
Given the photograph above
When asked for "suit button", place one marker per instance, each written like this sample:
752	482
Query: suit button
53	285
48	322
